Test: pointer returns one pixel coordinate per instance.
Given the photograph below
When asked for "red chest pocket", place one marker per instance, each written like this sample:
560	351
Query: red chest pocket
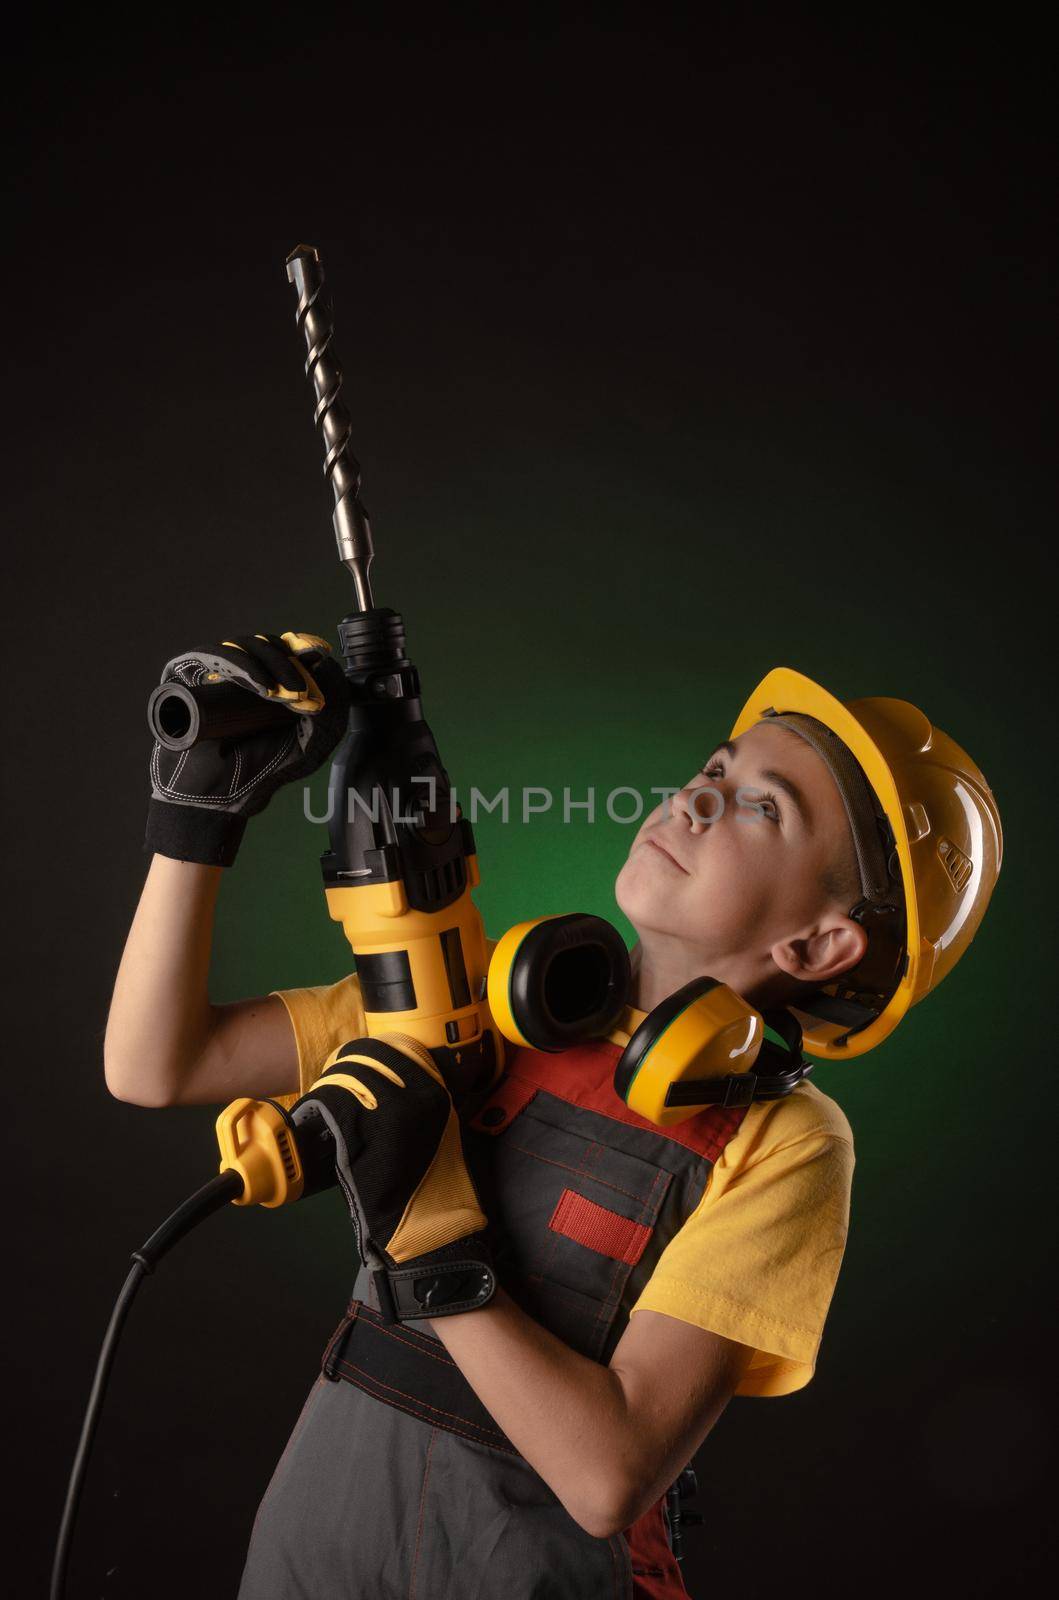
606	1232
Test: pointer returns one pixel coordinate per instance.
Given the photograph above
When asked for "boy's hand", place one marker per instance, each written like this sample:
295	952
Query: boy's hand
418	1220
201	797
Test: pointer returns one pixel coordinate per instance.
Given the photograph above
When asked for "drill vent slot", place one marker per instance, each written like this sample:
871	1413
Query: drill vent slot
283	1142
437	884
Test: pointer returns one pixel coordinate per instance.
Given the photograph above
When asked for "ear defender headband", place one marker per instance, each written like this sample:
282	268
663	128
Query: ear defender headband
560	981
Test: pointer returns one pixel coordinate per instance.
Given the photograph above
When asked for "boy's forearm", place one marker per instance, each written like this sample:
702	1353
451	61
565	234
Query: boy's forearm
160	1012
566	1414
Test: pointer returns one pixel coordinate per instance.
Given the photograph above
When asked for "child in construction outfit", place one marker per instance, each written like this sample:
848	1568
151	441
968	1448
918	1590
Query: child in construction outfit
829	863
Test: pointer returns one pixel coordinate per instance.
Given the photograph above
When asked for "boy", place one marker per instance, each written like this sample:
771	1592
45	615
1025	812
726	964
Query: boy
831	860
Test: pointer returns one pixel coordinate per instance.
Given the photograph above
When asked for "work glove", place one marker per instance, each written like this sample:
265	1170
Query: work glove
420	1227
201	797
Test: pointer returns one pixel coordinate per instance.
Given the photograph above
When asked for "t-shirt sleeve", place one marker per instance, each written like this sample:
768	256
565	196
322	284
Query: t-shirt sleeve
322	1018
758	1259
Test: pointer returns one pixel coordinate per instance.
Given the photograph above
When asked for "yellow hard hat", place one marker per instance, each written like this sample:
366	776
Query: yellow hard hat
939	829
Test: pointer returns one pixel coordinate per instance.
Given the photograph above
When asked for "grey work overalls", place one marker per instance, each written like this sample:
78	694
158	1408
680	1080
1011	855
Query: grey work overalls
396	1483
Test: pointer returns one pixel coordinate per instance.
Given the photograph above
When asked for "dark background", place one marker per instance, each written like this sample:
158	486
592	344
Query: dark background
672	357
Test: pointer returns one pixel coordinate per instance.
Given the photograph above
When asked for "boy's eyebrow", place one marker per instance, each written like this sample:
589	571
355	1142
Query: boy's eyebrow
789	788
796	795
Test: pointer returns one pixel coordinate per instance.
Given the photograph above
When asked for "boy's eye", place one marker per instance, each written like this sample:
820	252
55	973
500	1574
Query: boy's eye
769	803
770	800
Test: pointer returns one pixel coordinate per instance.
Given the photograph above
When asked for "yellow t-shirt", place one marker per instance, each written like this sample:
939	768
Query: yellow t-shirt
758	1259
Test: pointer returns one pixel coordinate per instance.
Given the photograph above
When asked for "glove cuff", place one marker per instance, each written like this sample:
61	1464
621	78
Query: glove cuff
191	833
458	1278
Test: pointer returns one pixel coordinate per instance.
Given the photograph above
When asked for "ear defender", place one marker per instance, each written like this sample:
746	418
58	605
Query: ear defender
559	981
692	1050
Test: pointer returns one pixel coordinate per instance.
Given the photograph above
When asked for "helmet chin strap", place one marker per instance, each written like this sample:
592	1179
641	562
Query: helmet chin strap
861	993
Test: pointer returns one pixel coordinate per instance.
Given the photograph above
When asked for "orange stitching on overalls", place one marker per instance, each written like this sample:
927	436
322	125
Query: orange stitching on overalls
556	1289
612	1299
614	1293
724	1120
346	1323
410	1411
422	1508
391	1333
441	1412
579	1172
296	1430
593	1151
553	1243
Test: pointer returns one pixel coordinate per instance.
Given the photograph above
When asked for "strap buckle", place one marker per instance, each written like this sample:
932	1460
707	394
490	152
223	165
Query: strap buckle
739	1089
413	1294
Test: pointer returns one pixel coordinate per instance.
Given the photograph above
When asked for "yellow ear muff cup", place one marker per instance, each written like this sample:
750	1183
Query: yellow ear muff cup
557	981
702	1031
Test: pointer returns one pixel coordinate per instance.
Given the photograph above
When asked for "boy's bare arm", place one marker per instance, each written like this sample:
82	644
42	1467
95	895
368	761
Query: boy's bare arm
607	1440
166	1044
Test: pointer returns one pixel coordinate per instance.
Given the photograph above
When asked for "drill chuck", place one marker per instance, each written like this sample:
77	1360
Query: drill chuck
341	467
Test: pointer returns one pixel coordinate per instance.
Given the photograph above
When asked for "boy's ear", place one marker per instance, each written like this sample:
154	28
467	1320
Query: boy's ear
825	951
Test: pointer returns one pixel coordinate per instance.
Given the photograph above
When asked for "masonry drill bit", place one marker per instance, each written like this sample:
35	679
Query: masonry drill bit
341	467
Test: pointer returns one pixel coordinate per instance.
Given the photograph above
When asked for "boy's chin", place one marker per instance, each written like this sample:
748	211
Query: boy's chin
647	906
654	910
634	897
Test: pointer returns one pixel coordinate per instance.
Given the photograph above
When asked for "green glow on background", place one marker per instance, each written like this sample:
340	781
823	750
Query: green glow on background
606	640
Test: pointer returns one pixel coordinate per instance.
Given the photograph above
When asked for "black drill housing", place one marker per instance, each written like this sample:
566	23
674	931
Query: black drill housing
391	813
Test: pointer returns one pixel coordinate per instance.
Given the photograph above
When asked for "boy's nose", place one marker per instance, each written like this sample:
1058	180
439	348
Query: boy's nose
699	805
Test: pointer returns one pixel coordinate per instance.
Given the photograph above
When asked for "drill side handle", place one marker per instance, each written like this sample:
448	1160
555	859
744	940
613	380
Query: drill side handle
181	715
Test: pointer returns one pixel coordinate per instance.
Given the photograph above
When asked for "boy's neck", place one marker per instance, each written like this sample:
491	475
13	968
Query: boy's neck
660	967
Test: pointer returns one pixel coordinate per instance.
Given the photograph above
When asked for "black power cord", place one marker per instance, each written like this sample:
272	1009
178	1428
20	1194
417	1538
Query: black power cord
195	1209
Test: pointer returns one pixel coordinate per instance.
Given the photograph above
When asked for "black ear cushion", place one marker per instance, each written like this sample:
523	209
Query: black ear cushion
652	1028
569	981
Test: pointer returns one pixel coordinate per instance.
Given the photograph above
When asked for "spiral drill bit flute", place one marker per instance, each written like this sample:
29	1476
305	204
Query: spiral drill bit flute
180	716
341	467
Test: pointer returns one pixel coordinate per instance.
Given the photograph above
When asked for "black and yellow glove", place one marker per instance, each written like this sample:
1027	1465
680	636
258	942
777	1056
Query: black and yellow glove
201	797
419	1223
